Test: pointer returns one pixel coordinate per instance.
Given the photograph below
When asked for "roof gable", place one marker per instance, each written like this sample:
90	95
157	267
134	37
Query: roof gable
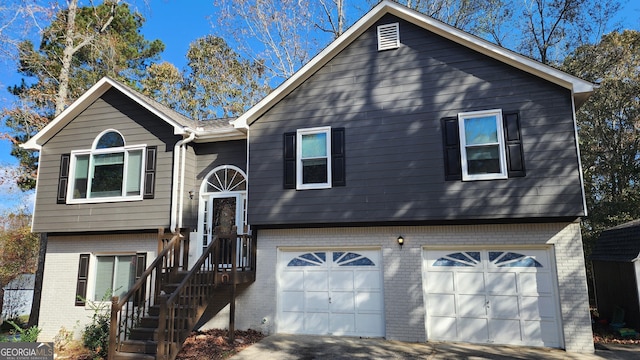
179	122
580	89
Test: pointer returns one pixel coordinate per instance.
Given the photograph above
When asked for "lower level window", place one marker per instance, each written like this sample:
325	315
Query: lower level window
115	274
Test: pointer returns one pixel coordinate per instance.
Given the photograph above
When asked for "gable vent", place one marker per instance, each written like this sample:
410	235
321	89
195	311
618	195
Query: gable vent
388	36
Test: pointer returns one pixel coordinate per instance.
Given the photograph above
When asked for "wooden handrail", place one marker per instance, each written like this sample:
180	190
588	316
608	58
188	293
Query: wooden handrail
127	311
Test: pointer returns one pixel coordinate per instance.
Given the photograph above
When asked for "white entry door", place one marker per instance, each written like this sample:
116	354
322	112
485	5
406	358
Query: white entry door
491	296
335	292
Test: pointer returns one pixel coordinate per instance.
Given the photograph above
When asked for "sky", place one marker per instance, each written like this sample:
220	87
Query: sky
177	23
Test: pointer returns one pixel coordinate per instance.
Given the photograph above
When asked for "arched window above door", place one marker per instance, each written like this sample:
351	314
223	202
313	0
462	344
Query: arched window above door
226	178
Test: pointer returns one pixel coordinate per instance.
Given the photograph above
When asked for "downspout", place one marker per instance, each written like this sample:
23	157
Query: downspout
182	174
177	149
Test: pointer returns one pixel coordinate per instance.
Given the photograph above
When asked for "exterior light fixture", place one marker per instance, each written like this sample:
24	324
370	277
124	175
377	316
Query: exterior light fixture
191	194
400	241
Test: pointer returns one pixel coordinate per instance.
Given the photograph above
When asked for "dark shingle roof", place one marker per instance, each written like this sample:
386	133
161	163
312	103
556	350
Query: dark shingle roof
620	243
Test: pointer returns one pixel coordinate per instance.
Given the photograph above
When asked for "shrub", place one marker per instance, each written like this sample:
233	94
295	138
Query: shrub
26	334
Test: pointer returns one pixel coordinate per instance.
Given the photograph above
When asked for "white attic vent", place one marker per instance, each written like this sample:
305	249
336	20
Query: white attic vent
388	36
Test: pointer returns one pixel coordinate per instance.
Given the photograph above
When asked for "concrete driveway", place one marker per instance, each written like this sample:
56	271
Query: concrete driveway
305	347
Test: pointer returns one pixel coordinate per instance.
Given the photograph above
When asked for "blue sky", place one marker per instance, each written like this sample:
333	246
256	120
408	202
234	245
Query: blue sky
177	23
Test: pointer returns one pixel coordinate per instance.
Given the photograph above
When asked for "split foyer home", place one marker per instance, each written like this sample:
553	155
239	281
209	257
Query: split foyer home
411	182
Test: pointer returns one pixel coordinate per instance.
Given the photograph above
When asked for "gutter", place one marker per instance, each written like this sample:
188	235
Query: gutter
178	150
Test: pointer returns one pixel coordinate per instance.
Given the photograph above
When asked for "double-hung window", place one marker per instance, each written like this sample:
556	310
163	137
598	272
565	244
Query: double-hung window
109	171
115	274
314	158
482	145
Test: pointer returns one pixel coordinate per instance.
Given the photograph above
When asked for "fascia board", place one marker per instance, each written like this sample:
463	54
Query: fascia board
581	89
81	104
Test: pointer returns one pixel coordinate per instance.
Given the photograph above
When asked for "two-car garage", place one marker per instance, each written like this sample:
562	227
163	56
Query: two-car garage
501	296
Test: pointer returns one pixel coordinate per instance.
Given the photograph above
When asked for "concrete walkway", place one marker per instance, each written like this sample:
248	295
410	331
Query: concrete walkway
305	347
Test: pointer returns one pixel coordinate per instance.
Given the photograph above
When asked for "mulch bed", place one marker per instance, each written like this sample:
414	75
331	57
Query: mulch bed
604	334
214	344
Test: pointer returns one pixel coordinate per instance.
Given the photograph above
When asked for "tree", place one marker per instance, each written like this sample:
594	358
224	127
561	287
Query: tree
18	249
81	45
218	82
551	29
609	129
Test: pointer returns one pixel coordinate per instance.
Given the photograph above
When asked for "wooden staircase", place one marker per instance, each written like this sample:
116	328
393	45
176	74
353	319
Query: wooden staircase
159	312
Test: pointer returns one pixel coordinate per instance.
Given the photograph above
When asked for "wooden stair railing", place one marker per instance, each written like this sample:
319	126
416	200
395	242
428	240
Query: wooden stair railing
229	259
218	265
127	312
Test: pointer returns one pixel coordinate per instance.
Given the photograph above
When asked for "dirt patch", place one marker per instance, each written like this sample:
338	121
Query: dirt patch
214	344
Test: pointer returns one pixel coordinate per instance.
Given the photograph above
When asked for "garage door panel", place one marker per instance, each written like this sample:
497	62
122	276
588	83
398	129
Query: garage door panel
537	307
472	305
440	282
315	301
475	330
367	280
342	324
368	301
443	328
342	302
505	331
535	283
543	332
341	280
442	305
316	323
504	307
316	281
291	322
469	282
502	283
367	324
292	300
290	280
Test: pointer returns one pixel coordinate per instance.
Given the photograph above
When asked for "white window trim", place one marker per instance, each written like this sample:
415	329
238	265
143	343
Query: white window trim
94	151
310	131
501	145
93	272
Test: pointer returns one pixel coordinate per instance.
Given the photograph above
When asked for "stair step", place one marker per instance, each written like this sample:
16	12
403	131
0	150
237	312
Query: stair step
145	334
139	346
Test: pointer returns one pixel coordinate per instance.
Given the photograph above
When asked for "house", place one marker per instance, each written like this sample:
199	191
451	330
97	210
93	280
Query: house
616	270
411	182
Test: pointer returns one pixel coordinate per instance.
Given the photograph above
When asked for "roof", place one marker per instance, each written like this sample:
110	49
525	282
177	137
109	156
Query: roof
580	89
179	122
620	243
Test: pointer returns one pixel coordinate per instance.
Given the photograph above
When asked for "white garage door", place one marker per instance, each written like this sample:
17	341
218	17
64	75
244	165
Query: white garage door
330	293
491	296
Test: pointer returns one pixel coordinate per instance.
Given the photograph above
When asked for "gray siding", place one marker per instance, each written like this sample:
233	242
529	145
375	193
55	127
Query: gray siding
206	157
390	104
112	111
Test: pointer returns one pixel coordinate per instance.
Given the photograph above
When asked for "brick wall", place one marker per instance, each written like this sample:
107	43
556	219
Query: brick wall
403	294
58	308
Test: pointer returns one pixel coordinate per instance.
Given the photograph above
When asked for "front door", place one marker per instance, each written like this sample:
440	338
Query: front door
223	212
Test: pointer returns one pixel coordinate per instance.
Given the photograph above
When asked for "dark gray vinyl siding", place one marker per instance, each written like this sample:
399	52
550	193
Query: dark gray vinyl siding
206	157
390	104
138	126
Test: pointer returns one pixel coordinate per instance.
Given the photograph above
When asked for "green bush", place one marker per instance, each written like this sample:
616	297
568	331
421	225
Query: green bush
96	334
26	334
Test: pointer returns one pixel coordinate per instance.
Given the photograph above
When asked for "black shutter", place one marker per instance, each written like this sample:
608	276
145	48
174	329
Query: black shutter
141	266
83	274
290	160
451	142
63	180
513	145
150	173
338	174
